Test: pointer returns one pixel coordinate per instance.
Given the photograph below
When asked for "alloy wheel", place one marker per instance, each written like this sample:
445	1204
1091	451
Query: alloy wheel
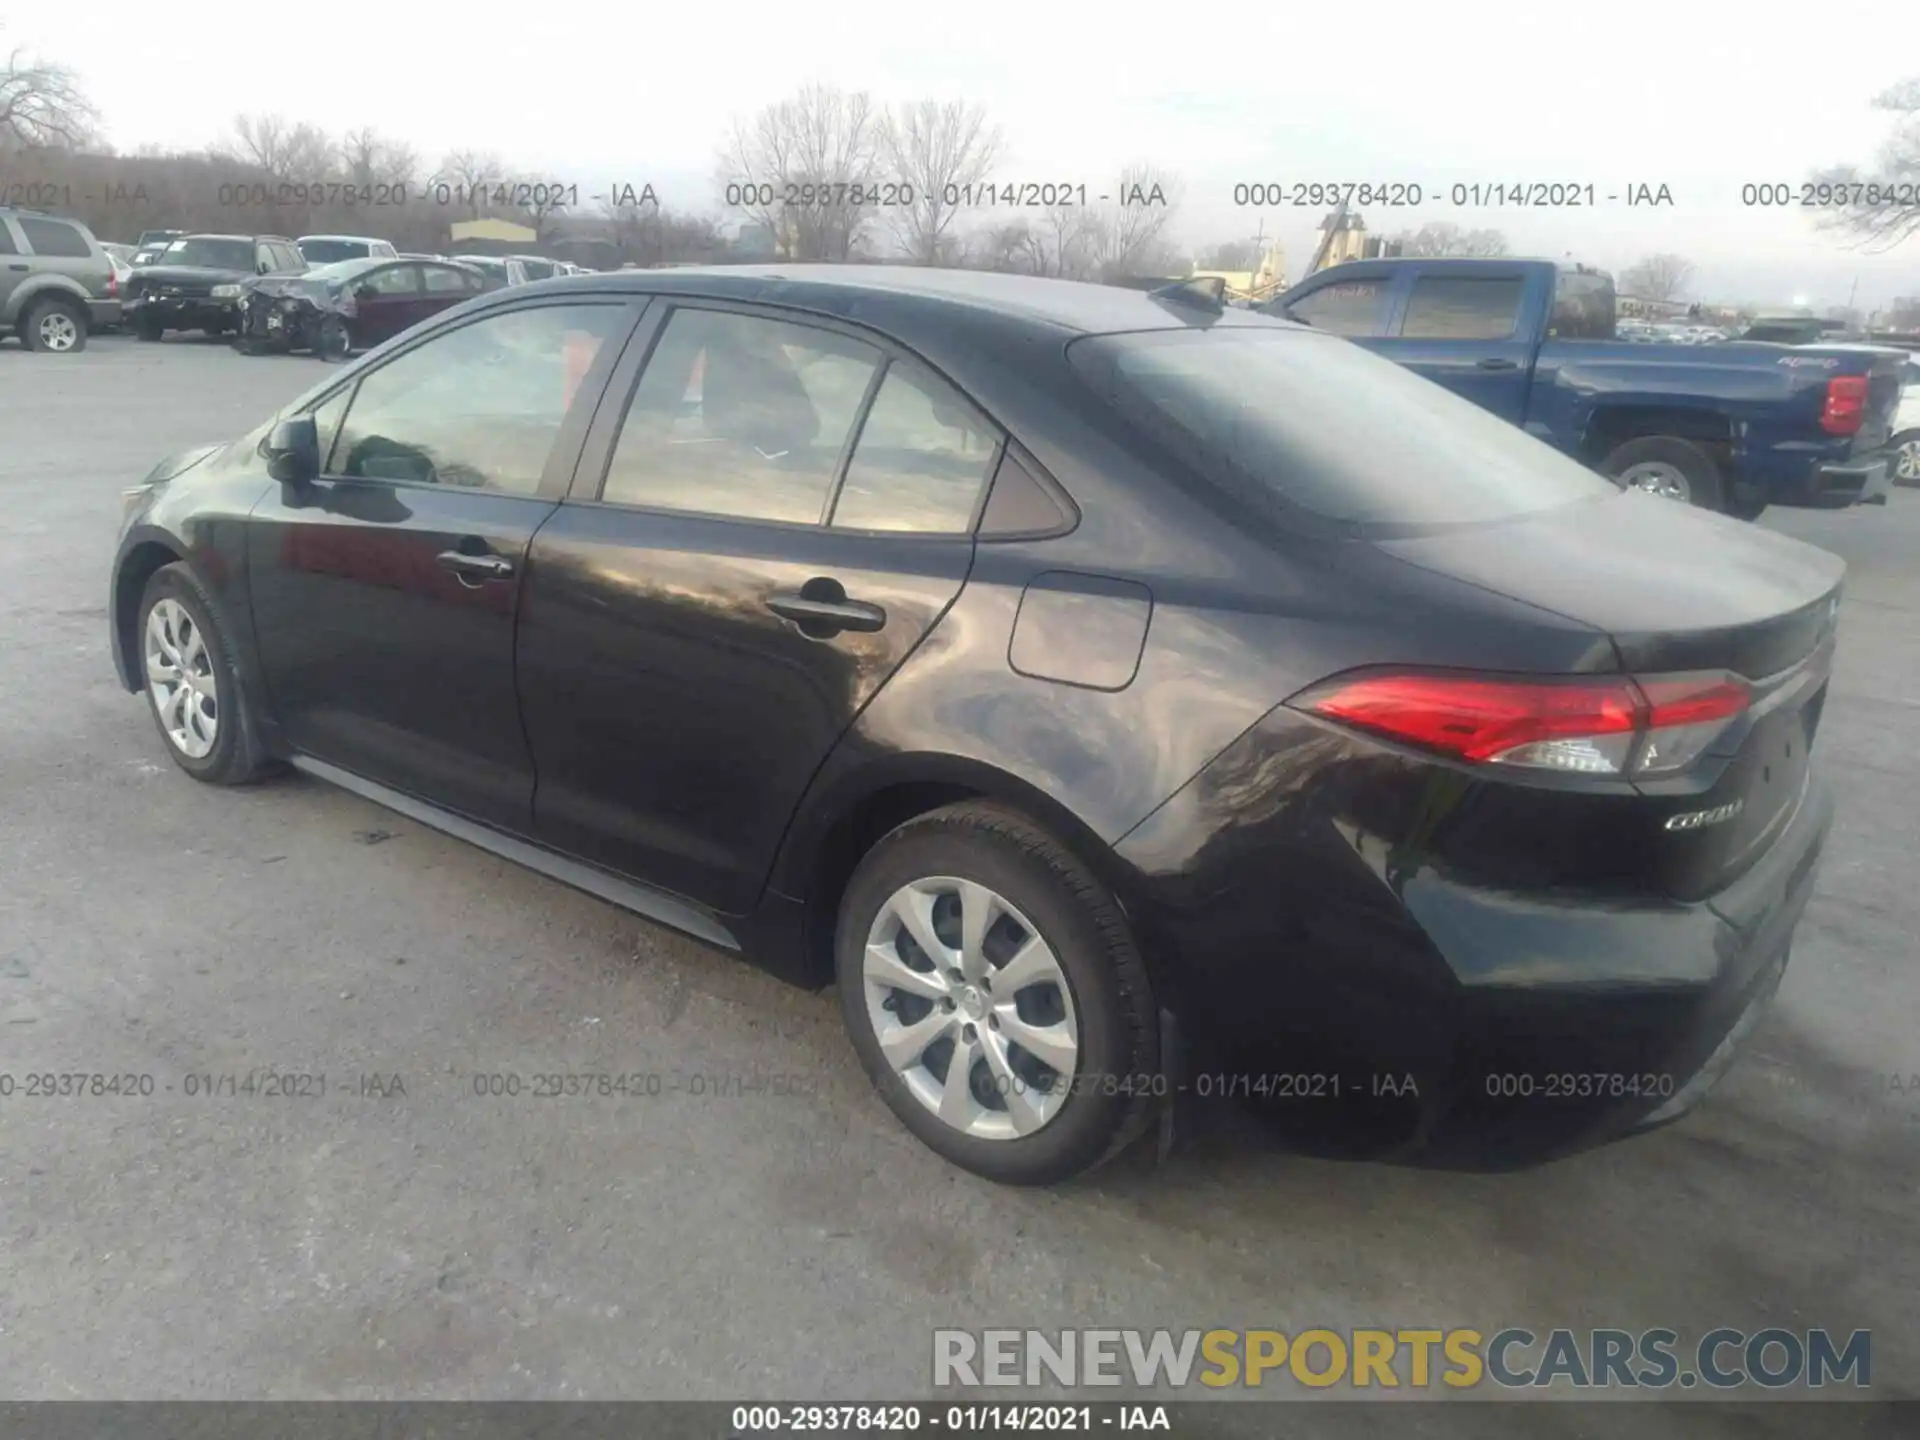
1656	477
1907	461
971	1008
56	331
181	679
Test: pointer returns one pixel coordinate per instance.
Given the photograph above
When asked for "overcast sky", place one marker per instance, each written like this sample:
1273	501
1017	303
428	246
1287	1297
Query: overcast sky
1699	97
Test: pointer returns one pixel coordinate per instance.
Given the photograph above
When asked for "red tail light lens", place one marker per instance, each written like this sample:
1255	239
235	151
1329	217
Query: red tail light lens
1846	407
1590	726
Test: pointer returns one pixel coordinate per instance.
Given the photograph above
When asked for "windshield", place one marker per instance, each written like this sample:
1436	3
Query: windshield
211	251
328	252
1318	423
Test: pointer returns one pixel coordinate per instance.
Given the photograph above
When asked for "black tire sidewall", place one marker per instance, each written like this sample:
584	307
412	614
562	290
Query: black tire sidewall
1084	1131
225	759
1703	474
149	330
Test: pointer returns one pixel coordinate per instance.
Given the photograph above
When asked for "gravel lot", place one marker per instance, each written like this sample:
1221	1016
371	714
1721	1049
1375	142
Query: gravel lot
437	1244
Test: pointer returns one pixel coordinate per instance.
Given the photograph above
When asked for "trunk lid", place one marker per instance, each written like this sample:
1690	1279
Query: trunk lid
1678	589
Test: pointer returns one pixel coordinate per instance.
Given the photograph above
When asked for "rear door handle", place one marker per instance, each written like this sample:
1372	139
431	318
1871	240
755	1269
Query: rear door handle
1493	362
476	569
17	265
822	609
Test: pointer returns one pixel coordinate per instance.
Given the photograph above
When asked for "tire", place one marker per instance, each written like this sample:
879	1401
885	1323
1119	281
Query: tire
234	756
54	325
1045	890
1906	458
1682	458
332	341
148	328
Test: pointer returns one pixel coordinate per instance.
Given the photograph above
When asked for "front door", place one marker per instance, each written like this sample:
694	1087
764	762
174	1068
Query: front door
386	301
699	630
384	593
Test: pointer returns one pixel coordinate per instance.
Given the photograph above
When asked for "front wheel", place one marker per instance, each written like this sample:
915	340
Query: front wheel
192	685
1669	467
995	995
150	329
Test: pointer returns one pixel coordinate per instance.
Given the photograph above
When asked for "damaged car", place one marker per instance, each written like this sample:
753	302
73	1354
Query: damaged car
334	311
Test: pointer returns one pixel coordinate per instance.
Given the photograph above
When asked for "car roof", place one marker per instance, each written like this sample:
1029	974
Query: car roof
356	239
906	294
217	235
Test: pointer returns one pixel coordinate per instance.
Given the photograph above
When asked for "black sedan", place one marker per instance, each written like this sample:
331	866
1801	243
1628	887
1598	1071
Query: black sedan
1123	698
334	310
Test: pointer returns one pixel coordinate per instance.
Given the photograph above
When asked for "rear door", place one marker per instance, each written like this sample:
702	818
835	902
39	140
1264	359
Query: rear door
1469	328
768	518
384	594
387	300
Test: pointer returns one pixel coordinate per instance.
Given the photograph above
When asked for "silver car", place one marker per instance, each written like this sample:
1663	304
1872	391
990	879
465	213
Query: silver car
56	284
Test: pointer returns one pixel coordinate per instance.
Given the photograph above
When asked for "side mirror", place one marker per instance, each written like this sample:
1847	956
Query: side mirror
293	451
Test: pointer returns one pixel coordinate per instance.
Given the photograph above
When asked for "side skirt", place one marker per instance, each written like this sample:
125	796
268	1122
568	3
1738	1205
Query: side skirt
642	900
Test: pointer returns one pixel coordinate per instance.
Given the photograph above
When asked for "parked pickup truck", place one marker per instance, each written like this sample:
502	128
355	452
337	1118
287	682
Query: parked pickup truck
1734	427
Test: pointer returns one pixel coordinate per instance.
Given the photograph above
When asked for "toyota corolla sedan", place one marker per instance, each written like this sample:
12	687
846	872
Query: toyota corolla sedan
1122	697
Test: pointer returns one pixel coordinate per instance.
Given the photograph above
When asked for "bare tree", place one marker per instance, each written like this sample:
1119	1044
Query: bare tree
821	150
467	174
41	106
1658	277
537	201
1866	205
937	149
1441	238
299	153
1124	233
370	158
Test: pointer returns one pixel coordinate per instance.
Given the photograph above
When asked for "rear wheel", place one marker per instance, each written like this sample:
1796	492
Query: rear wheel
1669	467
54	325
1906	458
995	995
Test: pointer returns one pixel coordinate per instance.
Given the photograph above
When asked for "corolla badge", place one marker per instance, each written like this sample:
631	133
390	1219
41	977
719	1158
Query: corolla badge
1696	819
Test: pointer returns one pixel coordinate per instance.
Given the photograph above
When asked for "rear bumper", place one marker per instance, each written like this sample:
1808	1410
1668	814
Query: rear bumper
1837	484
1369	1001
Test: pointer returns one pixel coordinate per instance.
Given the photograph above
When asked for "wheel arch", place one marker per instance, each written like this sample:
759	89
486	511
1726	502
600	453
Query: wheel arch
1611	426
836	829
136	567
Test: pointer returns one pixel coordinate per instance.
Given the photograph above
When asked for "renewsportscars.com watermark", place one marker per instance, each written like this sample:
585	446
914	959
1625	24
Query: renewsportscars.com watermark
1369	1359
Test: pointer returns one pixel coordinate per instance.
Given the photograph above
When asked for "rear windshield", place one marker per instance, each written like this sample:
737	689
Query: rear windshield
326	252
1317	423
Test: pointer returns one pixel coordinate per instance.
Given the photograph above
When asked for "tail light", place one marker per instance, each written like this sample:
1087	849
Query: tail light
1604	725
1846	407
113	283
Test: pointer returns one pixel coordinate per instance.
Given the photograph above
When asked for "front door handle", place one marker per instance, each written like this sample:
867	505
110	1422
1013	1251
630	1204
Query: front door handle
476	569
821	609
17	265
1493	362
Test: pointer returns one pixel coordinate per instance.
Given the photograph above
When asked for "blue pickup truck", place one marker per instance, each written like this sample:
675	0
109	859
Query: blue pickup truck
1732	427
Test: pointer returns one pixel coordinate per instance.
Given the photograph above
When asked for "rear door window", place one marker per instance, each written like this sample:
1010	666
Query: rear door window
740	415
1462	307
921	462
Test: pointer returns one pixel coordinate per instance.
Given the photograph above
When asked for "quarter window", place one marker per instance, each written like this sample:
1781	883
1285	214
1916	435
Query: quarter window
922	459
54	237
1462	307
738	415
480	406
